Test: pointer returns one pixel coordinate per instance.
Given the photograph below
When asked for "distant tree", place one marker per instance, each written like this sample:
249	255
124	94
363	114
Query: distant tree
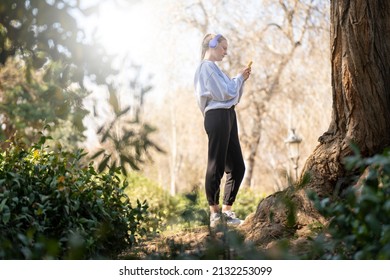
295	23
360	56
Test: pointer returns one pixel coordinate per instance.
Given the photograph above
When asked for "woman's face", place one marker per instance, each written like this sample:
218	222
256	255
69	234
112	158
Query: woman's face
220	51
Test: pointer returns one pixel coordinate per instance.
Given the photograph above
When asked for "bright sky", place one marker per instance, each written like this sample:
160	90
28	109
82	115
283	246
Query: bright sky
126	29
139	32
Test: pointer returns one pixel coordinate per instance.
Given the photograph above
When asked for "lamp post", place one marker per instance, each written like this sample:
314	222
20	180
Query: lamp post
293	142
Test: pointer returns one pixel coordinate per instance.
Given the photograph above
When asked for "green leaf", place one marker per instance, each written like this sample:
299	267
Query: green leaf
104	164
2	204
97	154
6	217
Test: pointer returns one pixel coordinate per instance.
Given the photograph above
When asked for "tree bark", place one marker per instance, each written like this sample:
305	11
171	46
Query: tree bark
360	56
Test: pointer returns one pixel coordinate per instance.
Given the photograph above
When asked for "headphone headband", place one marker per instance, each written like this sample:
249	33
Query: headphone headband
214	42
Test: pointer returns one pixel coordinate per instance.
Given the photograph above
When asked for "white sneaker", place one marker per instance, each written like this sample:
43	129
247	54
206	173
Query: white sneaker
215	218
231	218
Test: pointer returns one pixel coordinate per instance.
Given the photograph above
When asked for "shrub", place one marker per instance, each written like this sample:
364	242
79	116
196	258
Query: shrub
183	210
165	211
247	202
53	206
142	188
359	226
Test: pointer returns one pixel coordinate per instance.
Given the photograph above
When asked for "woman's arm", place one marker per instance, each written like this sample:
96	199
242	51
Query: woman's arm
221	88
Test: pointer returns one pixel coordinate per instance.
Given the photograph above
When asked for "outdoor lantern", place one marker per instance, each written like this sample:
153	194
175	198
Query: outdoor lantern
293	142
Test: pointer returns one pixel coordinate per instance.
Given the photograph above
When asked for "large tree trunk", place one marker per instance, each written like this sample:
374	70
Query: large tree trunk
360	54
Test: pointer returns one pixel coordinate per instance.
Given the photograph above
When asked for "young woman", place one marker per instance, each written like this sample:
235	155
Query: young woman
217	95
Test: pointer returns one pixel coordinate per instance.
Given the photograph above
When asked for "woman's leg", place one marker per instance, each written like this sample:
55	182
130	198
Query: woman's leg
235	167
217	125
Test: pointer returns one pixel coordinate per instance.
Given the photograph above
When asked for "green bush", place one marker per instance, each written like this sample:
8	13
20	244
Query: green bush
165	211
183	210
141	188
247	202
54	207
359	226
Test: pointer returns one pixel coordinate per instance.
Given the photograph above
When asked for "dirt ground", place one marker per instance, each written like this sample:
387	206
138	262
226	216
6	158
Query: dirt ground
220	243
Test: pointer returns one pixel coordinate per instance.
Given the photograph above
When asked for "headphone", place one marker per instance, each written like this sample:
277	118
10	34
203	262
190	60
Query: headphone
214	42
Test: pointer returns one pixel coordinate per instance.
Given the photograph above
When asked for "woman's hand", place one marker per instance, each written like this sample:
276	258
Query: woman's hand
246	72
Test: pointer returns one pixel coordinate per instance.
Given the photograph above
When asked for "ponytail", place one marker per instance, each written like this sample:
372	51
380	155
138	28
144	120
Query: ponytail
205	44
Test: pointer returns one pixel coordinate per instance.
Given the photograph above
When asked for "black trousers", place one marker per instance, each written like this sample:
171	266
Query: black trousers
224	155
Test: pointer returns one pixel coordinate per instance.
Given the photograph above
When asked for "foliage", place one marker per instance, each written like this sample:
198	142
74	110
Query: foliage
125	142
142	188
187	214
31	99
47	31
359	226
182	211
53	206
165	211
247	202
47	56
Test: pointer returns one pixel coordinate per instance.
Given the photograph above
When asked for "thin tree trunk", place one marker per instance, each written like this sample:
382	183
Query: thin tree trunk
253	145
173	168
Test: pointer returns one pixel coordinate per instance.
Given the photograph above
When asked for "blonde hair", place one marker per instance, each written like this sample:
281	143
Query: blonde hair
206	41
